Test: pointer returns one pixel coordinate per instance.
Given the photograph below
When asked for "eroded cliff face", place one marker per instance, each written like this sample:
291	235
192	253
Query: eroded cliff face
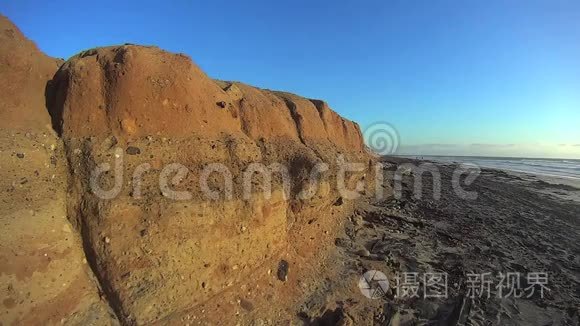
178	220
25	73
44	277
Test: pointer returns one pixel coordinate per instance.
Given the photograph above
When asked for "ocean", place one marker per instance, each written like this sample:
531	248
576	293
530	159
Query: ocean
563	168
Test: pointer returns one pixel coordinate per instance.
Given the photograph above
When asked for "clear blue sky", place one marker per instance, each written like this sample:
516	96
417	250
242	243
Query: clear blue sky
454	77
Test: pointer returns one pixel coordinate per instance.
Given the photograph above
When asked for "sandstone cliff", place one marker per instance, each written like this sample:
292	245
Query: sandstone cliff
44	277
161	254
24	76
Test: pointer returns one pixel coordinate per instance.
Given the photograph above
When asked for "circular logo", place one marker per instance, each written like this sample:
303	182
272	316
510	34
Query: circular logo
382	138
373	284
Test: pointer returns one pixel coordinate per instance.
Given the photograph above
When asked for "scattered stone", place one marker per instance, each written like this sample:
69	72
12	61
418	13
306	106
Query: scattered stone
341	242
107	240
221	104
428	309
406	171
338	202
132	150
345	320
363	253
20	155
144	232
357	220
283	270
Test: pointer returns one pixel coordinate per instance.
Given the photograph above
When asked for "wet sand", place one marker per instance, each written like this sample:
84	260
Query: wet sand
566	188
519	224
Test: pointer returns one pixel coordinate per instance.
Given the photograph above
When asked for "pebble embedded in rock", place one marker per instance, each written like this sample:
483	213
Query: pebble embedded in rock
283	270
132	150
113	141
247	305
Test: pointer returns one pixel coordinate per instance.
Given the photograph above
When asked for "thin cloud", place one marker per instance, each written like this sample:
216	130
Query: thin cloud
429	146
492	145
440	145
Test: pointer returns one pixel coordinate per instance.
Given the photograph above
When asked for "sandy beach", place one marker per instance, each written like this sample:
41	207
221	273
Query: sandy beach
518	226
566	188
